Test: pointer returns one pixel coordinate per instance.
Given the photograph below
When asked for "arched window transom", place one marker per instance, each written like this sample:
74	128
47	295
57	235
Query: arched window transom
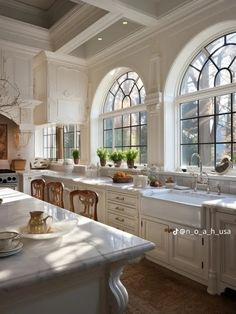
208	124
124	117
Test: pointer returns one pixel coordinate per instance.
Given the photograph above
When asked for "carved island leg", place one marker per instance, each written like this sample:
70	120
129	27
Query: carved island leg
118	294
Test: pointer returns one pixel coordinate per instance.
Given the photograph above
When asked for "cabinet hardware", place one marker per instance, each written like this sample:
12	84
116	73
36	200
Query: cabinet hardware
171	230
120	219
202	265
120	198
166	230
202	241
120	208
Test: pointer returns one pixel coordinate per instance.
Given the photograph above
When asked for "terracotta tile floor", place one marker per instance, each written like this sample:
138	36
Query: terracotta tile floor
154	289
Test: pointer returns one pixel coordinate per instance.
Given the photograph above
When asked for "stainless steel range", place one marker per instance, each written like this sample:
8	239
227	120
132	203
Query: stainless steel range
8	178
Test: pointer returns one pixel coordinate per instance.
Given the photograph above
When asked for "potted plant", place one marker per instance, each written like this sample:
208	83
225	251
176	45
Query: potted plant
102	154
130	156
117	156
76	155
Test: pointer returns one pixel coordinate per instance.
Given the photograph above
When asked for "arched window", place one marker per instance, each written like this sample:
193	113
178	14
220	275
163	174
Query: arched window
124	116
207	103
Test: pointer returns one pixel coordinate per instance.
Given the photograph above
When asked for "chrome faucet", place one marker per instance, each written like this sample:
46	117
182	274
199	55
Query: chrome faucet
200	163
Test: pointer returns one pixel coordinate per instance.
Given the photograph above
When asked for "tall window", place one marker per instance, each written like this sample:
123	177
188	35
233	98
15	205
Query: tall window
49	142
124	116
207	108
71	140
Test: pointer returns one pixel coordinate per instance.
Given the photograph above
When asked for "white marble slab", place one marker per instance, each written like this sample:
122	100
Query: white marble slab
89	244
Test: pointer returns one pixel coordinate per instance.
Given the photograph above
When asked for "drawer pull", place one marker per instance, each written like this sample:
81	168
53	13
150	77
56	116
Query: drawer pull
166	230
171	230
120	198
120	219
120	208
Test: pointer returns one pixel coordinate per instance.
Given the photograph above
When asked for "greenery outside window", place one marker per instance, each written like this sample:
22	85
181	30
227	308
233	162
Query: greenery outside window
207	104
71	140
124	120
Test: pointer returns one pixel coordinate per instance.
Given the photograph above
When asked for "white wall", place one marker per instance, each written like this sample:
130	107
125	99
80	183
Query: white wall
164	46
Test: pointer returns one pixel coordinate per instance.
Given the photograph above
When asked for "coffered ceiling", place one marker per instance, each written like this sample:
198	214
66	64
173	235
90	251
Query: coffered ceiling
89	27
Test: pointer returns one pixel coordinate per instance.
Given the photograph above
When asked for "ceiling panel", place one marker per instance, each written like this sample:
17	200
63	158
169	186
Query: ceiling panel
109	36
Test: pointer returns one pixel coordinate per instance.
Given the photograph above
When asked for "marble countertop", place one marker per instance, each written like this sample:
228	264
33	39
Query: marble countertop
89	244
227	204
228	201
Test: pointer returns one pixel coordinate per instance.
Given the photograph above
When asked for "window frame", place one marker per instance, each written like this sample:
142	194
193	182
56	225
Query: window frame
194	96
138	108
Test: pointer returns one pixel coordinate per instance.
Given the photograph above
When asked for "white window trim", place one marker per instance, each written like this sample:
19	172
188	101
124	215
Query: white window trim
171	91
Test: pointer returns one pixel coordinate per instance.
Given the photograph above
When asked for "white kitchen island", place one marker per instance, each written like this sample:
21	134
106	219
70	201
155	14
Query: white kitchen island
75	273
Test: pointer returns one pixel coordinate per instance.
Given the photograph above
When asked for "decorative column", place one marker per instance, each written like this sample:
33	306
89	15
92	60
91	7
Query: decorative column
153	101
212	268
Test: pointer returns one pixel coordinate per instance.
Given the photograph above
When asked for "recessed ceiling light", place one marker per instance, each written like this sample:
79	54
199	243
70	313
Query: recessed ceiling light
124	22
99	38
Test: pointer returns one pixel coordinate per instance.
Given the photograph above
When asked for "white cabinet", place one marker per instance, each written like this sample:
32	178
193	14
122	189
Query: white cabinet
177	250
122	211
155	232
61	84
226	246
25	181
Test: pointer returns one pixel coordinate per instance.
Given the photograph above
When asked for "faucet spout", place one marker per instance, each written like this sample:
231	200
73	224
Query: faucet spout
199	163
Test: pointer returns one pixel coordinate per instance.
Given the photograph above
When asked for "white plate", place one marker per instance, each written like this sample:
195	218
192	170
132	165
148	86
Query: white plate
12	251
57	229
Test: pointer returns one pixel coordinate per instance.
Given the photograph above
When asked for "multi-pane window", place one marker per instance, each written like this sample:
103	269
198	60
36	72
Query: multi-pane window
126	126
208	124
49	142
71	140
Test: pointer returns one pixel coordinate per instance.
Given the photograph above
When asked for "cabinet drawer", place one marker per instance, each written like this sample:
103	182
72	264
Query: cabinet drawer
122	209
121	220
122	198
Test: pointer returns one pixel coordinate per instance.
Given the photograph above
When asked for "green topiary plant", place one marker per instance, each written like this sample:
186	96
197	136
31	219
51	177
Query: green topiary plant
130	156
117	156
76	155
102	153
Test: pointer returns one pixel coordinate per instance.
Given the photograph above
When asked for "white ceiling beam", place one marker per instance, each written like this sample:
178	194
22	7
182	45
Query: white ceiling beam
127	11
90	32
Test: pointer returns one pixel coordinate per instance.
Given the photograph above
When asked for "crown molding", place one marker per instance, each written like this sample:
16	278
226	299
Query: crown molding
90	32
19	47
73	23
59	58
24	31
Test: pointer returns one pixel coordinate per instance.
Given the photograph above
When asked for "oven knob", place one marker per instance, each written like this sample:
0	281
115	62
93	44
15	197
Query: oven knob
13	178
0	180
4	181
8	178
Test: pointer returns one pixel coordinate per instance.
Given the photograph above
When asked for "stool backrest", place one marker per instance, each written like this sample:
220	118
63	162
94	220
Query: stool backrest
89	200
38	189
55	193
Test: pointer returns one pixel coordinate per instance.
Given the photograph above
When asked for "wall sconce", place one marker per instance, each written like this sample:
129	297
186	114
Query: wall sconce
22	138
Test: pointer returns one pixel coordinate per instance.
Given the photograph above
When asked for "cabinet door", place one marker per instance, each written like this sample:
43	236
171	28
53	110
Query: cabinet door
226	224
186	250
156	232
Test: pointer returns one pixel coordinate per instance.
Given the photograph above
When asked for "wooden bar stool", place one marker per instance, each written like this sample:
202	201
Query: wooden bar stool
88	199
55	193
38	189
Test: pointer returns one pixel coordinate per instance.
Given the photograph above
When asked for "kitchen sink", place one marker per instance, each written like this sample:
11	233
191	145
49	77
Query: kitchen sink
183	207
